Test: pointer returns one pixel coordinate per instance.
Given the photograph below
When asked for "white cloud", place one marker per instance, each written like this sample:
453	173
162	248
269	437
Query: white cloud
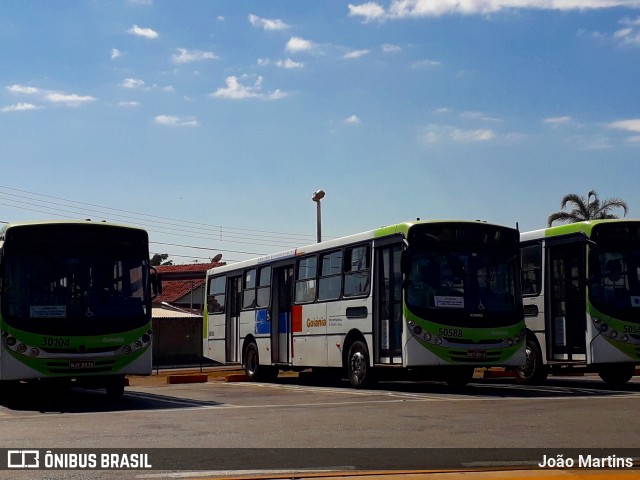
631	125
115	53
173	121
143	32
289	64
469	115
369	11
235	90
23	89
426	64
630	35
297	44
20	107
68	99
132	83
389	48
399	9
443	133
352	120
355	54
557	121
267	24
187	56
128	104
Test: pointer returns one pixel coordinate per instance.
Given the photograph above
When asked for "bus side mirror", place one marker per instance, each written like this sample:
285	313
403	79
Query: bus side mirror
156	282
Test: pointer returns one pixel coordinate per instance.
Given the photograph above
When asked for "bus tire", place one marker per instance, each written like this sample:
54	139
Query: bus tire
251	361
533	371
616	374
252	368
359	372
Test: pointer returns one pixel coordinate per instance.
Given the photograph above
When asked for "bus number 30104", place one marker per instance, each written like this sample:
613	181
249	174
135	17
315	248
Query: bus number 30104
450	332
55	342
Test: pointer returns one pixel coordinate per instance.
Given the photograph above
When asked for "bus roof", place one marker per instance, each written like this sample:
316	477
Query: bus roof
396	229
577	227
7	226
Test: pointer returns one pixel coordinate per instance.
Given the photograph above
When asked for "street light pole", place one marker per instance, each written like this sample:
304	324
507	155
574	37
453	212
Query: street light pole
317	196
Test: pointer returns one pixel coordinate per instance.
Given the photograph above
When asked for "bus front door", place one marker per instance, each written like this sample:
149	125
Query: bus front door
232	323
388	305
282	296
566	307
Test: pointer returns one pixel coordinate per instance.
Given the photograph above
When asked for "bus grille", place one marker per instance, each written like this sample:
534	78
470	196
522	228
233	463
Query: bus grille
468	341
78	350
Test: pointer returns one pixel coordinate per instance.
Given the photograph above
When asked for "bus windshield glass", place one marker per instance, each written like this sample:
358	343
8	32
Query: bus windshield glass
614	271
79	280
463	275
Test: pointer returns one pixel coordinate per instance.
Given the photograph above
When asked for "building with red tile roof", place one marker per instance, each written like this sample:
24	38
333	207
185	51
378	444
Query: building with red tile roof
183	286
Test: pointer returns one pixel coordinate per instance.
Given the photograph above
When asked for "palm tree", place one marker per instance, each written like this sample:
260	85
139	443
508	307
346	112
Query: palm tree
587	209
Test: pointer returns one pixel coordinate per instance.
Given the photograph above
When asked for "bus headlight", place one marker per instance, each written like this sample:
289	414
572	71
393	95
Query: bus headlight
417	329
427	336
126	349
613	334
34	352
10	341
21	348
438	341
604	327
137	345
624	337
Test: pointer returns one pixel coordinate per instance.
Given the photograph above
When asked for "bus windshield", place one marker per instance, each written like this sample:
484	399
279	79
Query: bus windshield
64	290
614	282
463	283
614	270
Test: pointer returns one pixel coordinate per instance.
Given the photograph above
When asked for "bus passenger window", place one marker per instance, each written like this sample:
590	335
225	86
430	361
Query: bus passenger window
264	287
331	279
531	269
249	293
356	271
306	280
216	295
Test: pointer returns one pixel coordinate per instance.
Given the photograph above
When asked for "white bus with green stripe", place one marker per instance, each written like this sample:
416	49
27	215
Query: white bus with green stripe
434	299
75	304
581	295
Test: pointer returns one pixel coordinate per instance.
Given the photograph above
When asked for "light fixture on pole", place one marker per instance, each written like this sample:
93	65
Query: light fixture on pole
317	196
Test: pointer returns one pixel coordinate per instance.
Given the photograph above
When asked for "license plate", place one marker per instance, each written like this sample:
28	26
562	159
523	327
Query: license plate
81	364
477	354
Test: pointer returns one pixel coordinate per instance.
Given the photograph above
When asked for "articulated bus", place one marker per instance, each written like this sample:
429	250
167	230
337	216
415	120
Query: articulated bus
581	295
434	299
75	304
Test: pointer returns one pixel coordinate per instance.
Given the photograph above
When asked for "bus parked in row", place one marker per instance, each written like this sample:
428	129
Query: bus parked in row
75	302
581	295
436	298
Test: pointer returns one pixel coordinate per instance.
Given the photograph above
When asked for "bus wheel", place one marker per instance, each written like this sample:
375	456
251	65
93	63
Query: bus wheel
115	388
533	371
617	374
358	370
458	377
251	361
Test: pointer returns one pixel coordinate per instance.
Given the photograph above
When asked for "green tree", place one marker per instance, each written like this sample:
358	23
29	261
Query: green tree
159	259
589	208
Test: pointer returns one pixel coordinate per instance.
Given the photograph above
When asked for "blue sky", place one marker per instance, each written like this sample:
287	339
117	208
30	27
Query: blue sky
211	123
